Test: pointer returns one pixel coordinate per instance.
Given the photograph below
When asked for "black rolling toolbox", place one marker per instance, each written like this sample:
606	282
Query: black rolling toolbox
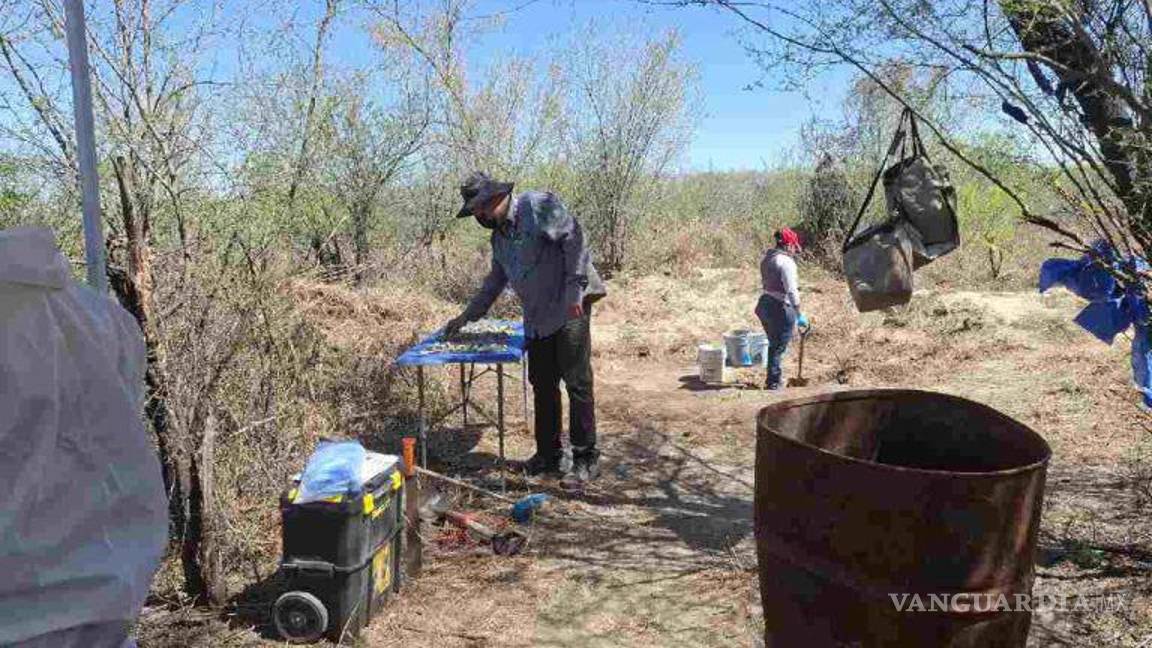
341	557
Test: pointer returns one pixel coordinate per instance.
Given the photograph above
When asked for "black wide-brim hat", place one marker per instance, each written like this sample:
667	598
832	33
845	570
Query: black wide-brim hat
479	189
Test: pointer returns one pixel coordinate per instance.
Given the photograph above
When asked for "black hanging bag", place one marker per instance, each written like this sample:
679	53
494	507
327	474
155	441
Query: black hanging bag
921	193
920	226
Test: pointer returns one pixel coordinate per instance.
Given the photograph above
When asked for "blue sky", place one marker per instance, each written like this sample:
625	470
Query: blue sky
739	128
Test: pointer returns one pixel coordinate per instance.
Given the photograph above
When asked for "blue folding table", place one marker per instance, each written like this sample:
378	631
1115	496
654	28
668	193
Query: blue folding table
511	352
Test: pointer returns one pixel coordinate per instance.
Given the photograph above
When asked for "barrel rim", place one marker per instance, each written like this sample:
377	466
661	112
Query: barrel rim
859	394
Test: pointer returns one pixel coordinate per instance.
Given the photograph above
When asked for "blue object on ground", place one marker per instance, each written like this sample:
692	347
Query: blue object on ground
802	321
333	469
1142	362
513	351
527	506
1113	307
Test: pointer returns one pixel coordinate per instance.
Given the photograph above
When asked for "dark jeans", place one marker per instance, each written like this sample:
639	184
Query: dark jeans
565	355
779	321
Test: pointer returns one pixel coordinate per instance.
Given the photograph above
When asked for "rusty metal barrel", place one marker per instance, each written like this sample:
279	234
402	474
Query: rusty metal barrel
896	518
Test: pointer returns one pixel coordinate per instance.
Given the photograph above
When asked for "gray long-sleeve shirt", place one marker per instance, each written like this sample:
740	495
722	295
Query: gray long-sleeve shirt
778	277
541	252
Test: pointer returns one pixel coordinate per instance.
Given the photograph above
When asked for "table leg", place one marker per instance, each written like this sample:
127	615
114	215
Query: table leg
422	422
500	425
464	398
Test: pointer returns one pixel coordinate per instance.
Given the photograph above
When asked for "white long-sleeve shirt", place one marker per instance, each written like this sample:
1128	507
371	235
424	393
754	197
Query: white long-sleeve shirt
779	277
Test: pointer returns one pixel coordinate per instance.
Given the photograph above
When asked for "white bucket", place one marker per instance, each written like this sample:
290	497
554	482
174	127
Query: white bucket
736	342
711	359
758	348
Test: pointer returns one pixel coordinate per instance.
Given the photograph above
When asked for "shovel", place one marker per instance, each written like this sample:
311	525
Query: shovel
508	543
800	380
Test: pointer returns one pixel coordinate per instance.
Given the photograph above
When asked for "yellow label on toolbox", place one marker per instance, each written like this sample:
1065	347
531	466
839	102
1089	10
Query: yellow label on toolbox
369	504
295	492
397	480
382	569
379	507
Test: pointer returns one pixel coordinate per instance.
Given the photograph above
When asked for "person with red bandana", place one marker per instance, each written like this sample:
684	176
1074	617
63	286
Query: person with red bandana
779	305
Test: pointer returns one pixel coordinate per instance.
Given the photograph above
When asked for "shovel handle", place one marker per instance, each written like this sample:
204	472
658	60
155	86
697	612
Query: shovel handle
803	337
465	521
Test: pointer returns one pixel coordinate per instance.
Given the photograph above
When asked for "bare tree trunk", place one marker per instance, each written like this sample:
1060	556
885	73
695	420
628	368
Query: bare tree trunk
199	547
360	215
300	171
183	470
133	289
199	551
1086	73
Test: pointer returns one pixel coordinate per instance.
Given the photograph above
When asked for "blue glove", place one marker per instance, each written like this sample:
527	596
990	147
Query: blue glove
802	321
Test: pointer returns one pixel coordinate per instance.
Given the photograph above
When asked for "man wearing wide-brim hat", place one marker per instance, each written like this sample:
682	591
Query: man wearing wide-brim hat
539	249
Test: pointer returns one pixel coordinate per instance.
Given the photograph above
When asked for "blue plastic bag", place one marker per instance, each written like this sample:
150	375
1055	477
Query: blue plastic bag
1104	319
1142	362
526	507
333	469
1083	277
1113	306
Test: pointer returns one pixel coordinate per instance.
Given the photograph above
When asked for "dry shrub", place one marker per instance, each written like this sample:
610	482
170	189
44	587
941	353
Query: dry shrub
679	248
278	362
823	251
826	208
239	358
969	266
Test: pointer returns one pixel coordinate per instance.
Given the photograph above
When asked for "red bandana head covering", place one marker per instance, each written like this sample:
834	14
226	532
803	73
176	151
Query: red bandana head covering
789	239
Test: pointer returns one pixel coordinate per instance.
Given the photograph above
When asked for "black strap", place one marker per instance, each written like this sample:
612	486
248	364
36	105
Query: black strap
898	140
917	143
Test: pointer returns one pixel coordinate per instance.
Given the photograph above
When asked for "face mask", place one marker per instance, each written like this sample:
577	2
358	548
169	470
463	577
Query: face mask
486	223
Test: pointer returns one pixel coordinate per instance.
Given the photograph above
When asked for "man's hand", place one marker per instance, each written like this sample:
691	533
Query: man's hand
575	311
454	325
802	322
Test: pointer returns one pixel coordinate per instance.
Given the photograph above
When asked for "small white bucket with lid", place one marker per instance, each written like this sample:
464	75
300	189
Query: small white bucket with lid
711	360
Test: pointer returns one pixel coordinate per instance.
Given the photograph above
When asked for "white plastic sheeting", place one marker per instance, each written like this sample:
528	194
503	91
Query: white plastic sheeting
83	522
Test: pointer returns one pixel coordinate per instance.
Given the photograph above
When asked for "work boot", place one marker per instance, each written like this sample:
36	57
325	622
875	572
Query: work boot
542	465
585	468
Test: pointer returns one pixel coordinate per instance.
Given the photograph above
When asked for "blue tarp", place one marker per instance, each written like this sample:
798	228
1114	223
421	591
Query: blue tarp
1113	307
1142	362
526	507
511	352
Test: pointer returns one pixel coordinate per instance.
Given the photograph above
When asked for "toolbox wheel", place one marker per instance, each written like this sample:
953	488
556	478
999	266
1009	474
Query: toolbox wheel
299	617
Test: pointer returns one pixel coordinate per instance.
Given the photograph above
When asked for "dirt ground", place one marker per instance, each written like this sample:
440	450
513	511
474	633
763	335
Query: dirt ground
660	551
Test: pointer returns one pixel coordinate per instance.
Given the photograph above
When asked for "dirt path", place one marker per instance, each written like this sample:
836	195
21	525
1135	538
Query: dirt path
655	555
